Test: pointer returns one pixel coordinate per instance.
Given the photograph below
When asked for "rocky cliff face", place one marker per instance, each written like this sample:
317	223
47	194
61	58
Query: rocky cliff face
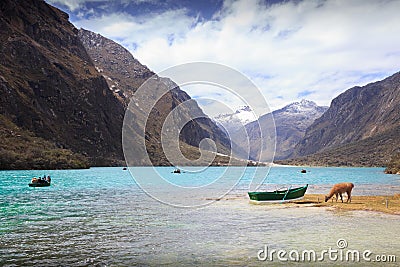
362	119
291	123
124	75
49	84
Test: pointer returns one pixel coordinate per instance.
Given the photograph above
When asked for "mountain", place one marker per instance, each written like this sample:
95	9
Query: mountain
124	75
231	122
62	107
51	92
361	127
291	123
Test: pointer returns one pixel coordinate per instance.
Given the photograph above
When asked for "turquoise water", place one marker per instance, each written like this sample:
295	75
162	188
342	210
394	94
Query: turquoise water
101	217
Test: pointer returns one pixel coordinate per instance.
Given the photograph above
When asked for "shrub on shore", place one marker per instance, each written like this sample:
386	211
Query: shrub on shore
393	166
21	149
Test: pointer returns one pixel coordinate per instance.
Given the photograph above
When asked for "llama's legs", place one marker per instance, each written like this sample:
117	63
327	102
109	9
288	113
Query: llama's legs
341	197
349	196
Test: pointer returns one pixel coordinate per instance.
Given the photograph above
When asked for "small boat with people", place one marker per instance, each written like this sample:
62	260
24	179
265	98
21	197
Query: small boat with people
40	182
177	171
283	195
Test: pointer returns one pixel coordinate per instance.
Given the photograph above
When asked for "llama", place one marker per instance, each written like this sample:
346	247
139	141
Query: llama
339	189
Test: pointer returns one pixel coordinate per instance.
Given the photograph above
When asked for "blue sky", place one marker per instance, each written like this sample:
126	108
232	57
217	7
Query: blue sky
289	49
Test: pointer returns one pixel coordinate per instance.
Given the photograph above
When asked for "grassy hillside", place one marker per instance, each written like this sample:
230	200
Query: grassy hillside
21	149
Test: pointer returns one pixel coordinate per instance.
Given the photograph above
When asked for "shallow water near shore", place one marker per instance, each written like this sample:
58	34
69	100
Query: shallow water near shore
101	217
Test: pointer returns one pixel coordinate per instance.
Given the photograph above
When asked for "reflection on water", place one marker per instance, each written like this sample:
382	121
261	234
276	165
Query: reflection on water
100	217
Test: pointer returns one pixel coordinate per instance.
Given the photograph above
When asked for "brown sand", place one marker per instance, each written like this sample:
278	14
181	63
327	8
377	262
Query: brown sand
387	204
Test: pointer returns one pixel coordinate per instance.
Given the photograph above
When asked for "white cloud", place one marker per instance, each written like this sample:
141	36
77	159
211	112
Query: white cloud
320	47
76	4
72	4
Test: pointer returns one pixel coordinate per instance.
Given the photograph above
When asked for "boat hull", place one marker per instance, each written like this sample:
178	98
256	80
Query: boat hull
39	184
279	195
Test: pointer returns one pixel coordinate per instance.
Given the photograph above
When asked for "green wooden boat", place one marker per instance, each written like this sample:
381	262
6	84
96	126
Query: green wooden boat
279	195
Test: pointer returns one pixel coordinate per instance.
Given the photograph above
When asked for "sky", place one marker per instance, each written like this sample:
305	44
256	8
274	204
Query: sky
291	50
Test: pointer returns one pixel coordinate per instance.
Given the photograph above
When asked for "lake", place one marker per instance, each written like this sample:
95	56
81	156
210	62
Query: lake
101	217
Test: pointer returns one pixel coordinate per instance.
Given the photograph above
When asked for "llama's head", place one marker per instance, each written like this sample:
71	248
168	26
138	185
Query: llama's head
326	198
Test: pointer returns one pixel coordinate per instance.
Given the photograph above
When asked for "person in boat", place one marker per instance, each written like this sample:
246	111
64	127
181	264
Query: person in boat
34	180
48	179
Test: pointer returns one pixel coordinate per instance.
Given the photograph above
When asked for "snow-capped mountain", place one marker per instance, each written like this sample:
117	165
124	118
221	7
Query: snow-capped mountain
291	123
231	122
298	114
306	107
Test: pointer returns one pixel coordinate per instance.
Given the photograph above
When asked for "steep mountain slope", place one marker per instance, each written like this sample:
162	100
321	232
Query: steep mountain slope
124	75
49	85
53	95
366	118
372	151
291	123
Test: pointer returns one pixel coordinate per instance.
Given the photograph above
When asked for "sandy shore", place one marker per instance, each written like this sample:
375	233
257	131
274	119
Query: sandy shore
387	204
